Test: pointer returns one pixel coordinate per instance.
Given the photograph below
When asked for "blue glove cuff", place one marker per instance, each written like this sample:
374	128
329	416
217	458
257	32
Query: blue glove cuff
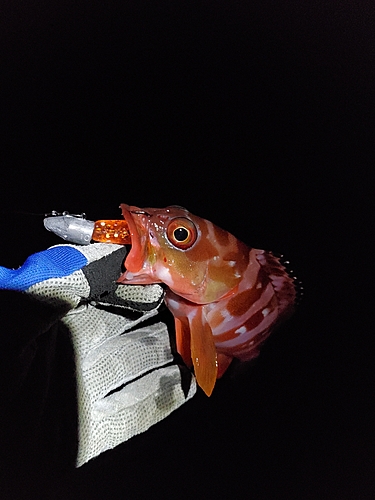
55	262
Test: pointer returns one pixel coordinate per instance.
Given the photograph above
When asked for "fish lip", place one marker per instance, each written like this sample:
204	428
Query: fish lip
134	259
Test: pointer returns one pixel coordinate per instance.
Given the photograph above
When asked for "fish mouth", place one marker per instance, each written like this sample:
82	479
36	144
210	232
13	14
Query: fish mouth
135	217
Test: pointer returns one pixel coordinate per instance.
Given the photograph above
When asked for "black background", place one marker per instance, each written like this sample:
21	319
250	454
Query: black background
258	116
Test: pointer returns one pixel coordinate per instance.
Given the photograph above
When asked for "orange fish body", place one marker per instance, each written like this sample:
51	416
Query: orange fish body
226	297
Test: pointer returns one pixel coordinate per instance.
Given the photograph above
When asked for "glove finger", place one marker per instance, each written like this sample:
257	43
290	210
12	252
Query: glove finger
107	360
54	262
102	271
132	410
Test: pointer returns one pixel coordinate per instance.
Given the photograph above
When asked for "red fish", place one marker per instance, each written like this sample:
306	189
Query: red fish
226	297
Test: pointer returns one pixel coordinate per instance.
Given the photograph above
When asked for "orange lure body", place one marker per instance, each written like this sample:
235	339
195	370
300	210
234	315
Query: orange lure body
112	231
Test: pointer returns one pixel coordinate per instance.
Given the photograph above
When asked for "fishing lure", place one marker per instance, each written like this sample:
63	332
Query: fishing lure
226	297
75	228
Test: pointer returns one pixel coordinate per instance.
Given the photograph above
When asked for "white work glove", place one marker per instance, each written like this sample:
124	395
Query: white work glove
126	377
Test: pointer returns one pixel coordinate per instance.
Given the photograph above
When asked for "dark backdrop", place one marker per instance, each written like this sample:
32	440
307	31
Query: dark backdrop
260	117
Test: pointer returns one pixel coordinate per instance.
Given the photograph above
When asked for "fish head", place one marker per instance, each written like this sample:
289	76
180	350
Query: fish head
193	257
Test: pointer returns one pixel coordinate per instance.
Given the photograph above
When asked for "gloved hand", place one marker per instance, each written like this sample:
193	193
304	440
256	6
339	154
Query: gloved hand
126	378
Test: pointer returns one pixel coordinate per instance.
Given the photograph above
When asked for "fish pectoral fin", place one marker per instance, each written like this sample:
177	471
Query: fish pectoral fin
183	339
203	352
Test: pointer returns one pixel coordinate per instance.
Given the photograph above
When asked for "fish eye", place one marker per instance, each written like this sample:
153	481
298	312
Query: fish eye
182	233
